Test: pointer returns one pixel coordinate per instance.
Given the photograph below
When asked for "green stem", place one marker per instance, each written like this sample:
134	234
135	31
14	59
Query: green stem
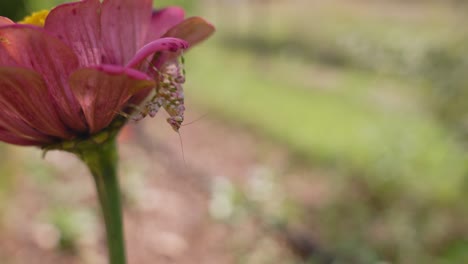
102	162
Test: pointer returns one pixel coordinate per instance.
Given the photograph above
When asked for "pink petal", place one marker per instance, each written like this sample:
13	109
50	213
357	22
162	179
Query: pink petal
31	47
23	94
162	44
124	26
103	91
7	136
5	21
164	19
78	25
15	126
193	30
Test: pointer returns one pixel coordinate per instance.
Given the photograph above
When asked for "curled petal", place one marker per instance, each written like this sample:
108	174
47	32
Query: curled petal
78	25
103	91
124	26
170	45
163	20
23	93
193	30
163	44
31	47
5	21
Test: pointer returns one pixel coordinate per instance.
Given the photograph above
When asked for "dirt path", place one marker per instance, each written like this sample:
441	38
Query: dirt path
167	200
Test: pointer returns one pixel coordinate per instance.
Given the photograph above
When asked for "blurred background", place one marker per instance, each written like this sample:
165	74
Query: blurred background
324	132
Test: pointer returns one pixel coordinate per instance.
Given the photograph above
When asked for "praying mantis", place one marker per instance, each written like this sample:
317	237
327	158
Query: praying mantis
169	94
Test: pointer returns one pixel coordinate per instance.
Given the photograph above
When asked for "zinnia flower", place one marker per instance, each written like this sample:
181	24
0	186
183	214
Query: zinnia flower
81	65
71	77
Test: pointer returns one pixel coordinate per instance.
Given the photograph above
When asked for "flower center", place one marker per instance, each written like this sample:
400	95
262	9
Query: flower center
37	18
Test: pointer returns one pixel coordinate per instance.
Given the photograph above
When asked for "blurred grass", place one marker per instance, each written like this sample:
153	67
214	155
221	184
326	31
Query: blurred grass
414	41
346	85
330	126
373	36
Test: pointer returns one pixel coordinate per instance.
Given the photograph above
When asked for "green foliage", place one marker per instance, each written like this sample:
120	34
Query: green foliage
72	226
332	128
188	5
337	36
15	10
446	71
68	227
33	5
397	166
432	49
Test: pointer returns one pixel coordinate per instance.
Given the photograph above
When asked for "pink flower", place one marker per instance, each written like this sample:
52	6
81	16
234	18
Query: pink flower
89	62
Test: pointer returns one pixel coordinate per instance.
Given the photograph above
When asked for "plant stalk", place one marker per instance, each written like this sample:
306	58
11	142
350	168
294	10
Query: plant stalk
101	160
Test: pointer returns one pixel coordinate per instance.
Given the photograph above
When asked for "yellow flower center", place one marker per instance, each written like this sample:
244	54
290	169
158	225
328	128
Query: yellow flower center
37	18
